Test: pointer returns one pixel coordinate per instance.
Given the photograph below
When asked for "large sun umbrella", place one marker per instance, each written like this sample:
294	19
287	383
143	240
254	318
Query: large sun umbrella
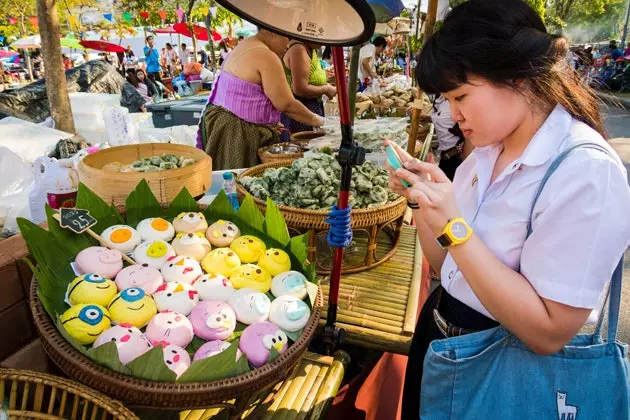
385	10
103	46
165	30
33	41
200	32
71	43
5	54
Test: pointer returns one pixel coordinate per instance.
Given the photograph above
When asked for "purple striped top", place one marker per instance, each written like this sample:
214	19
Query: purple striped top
244	99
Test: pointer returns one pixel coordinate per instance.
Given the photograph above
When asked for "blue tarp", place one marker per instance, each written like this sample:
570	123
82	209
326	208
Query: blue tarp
386	10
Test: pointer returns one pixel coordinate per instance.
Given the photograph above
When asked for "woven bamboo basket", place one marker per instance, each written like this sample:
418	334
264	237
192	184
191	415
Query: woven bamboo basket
36	395
306	136
382	224
114	187
271	157
168	395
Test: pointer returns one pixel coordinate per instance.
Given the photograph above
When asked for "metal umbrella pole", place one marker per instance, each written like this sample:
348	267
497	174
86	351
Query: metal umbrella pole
350	154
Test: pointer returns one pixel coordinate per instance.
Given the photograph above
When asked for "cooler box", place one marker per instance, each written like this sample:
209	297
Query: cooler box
162	112
188	114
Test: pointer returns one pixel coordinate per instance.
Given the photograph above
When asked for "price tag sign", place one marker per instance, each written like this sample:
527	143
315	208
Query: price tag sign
77	220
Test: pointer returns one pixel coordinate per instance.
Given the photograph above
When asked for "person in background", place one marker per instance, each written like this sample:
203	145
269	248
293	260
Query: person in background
152	58
144	87
86	57
184	56
203	57
367	59
170	54
401	61
129	51
615	52
140	88
223	53
130	61
248	98
162	91
327	60
626	53
67	63
307	80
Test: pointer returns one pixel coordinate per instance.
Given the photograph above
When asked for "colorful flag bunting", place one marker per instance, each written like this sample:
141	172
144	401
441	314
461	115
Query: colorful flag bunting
162	14
109	16
180	15
34	21
127	17
145	15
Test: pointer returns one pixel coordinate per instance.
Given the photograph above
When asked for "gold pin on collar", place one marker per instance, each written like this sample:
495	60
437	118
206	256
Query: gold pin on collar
474	180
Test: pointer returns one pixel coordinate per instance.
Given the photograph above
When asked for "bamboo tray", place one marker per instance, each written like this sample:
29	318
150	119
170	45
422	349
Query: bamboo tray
306	394
378	308
36	395
376	231
115	187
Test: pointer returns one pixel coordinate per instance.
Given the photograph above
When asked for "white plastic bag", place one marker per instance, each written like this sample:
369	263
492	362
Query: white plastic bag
121	129
15	185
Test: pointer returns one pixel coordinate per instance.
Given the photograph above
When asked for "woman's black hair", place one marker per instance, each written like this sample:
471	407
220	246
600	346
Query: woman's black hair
505	41
327	54
132	78
379	41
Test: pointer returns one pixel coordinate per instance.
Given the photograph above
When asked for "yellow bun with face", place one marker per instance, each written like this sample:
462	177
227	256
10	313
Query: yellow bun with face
121	237
190	222
248	248
193	245
154	253
275	261
221	261
132	306
85	323
250	276
155	229
91	288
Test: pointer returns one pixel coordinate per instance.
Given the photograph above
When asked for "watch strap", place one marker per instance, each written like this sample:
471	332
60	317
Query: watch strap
444	240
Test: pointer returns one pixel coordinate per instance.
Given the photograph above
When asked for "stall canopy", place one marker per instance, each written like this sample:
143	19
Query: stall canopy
71	43
6	54
33	41
103	46
165	30
386	10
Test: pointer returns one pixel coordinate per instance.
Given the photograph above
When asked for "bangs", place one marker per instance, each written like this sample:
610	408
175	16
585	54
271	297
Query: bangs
438	69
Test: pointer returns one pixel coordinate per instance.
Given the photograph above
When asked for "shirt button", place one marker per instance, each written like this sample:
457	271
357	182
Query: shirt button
451	274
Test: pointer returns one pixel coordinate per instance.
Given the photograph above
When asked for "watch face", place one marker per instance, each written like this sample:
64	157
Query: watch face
459	230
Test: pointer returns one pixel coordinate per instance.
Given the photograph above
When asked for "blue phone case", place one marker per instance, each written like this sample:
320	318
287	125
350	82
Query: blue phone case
394	161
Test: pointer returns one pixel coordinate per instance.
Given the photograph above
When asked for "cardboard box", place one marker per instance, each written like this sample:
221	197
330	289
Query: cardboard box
10	282
30	357
15	247
16	328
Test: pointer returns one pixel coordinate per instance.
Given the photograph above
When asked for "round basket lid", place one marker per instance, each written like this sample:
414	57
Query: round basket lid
328	22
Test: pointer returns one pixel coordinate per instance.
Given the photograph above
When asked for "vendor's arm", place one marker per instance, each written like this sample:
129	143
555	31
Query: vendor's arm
430	248
562	261
368	68
277	90
300	64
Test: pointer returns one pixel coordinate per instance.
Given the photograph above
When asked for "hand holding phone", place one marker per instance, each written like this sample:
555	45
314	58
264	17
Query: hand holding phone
395	162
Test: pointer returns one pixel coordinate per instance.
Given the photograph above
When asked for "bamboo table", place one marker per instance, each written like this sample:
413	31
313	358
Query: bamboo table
378	307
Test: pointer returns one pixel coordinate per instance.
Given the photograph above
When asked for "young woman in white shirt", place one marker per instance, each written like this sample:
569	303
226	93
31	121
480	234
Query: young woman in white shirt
517	102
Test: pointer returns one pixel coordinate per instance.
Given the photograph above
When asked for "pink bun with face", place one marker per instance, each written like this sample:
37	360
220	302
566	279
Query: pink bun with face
213	320
258	339
141	276
170	327
100	260
212	348
130	341
176	358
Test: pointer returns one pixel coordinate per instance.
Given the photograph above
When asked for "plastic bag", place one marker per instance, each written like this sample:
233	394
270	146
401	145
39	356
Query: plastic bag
120	127
15	186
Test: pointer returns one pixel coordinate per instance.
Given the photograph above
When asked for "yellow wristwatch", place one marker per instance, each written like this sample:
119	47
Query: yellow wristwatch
456	232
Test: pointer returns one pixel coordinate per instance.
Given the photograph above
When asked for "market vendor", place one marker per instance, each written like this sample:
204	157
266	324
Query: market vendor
244	108
307	79
520	113
367	61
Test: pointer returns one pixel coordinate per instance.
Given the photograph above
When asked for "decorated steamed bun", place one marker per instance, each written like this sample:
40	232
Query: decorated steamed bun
275	261
190	223
130	341
154	253
289	313
213	320
90	288
181	269
214	287
132	306
290	283
221	261
144	276
176	297
176	359
121	237
251	276
85	322
99	260
221	233
250	306
258	339
212	348
171	328
193	245
155	229
248	248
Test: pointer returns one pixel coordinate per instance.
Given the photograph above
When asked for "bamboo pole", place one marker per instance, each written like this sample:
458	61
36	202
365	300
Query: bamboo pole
378	313
377	340
308	394
328	389
414	292
396	296
280	395
292	392
345	318
369	300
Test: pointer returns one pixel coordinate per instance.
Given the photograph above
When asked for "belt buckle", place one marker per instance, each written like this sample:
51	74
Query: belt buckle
440	322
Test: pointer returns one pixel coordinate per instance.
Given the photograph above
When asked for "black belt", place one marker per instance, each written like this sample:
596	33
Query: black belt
468	320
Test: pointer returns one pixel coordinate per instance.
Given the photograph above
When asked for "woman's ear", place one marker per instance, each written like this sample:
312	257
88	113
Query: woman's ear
518	83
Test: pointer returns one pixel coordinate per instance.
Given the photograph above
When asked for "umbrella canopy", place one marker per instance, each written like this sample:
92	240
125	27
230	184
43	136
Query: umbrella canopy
102	46
5	54
166	30
200	32
242	32
385	10
71	43
33	41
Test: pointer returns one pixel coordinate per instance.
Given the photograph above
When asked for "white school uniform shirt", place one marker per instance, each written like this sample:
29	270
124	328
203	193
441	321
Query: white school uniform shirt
581	223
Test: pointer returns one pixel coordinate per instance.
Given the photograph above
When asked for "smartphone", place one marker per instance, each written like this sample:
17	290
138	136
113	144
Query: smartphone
395	162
